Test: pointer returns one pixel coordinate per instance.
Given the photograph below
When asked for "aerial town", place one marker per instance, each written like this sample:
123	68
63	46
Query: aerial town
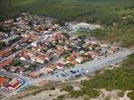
34	50
66	49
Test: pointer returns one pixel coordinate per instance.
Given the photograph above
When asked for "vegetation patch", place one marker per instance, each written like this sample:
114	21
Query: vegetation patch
131	95
121	78
67	88
32	88
121	94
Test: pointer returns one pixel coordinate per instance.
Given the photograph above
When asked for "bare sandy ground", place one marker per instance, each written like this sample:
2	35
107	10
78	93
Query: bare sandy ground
51	94
112	95
45	95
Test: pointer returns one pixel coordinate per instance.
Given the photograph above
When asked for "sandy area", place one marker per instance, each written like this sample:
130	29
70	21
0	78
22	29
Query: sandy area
45	95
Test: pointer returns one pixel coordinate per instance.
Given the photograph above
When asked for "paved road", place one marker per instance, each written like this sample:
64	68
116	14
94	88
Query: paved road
14	75
87	67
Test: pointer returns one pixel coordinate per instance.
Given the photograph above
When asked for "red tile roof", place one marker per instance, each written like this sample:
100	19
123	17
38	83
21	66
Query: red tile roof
5	62
2	80
51	66
6	51
34	74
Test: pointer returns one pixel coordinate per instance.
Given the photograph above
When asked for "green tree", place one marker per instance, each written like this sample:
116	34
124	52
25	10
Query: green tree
2	45
67	88
16	62
131	95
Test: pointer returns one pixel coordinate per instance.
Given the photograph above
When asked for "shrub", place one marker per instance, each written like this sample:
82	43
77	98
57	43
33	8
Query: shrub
68	88
2	45
16	62
86	97
75	93
131	95
52	88
60	97
121	94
